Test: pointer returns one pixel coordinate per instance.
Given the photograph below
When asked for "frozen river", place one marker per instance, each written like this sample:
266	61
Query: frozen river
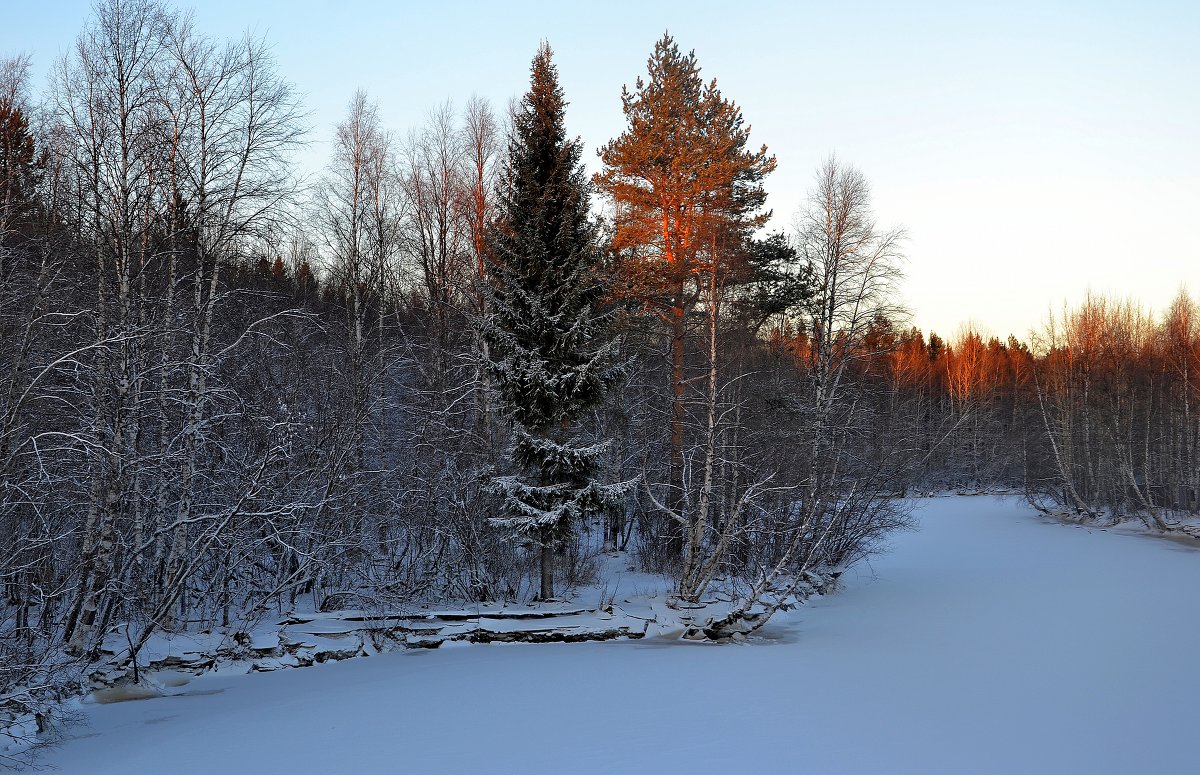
987	642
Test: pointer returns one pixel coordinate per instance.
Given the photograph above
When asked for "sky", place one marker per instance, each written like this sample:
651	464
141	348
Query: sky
1033	151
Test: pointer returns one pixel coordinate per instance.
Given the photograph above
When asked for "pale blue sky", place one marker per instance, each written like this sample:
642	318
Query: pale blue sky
1033	150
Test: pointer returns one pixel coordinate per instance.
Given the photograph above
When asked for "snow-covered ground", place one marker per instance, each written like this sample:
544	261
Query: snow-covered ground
989	641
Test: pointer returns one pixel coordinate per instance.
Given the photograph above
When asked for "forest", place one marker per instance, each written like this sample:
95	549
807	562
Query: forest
454	367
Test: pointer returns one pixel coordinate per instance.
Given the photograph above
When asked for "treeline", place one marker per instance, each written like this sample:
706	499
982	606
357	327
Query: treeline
1116	392
1098	416
224	393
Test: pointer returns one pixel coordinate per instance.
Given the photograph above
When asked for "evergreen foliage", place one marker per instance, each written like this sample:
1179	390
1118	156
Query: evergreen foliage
19	166
549	358
681	170
689	195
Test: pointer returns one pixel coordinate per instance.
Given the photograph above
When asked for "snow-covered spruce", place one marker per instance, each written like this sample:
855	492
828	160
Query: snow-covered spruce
550	359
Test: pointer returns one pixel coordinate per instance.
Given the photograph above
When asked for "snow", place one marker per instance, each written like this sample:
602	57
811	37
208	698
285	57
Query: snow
989	641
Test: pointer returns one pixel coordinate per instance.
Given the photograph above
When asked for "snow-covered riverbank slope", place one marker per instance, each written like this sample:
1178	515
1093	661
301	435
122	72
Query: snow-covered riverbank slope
988	642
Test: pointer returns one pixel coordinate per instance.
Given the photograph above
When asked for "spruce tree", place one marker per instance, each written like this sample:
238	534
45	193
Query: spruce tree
549	357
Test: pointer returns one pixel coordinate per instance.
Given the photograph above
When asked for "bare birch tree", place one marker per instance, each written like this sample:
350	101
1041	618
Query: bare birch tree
839	504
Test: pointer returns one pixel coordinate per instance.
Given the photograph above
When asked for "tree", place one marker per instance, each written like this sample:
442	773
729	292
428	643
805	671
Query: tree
679	174
234	121
480	146
348	203
1181	342
841	504
19	167
177	146
549	358
434	229
105	96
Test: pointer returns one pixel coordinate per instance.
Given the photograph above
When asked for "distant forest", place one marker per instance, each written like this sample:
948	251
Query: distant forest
455	367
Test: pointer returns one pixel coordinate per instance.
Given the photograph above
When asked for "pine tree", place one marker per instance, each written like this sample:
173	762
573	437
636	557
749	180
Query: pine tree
549	359
19	167
681	173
